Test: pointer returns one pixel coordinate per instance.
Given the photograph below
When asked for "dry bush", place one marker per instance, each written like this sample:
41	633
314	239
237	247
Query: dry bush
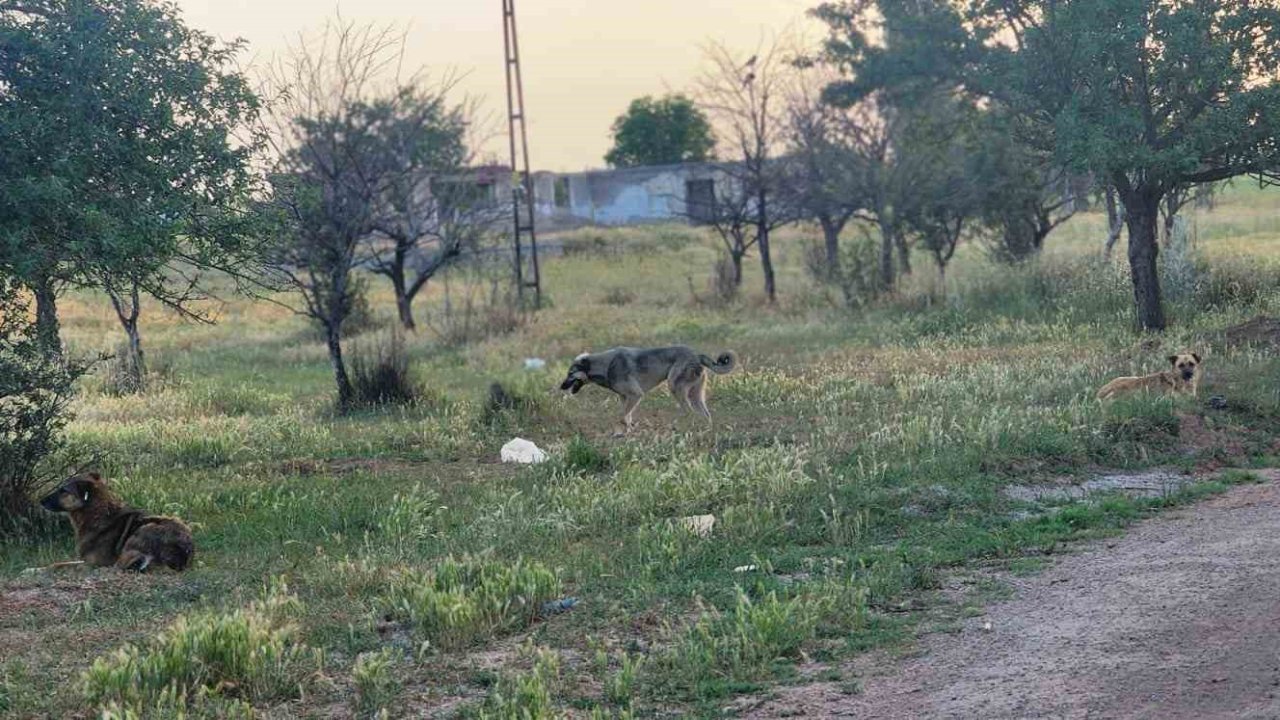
380	372
478	303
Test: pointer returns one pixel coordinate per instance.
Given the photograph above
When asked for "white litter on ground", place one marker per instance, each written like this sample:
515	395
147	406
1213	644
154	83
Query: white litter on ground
519	450
534	363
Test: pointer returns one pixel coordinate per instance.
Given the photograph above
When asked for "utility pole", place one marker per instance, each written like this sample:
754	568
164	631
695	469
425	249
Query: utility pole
522	177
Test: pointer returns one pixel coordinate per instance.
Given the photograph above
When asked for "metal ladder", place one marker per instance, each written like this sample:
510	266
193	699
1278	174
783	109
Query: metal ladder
522	178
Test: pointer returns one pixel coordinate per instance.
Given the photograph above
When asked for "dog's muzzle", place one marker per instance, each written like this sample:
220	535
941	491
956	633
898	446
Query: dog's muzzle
573	385
50	502
1188	374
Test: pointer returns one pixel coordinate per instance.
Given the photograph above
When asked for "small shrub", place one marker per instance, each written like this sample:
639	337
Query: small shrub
525	696
483	305
741	645
620	686
204	706
408	520
1180	273
35	394
581	455
250	654
857	273
380	373
1232	285
511	399
461	601
724	287
375	680
618	297
123	373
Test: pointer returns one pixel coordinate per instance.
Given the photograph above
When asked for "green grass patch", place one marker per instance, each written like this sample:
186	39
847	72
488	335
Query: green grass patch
461	601
212	660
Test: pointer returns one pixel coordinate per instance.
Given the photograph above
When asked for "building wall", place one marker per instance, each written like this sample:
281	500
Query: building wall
625	196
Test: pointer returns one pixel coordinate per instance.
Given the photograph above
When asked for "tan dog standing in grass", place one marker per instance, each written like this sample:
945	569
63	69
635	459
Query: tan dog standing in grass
1184	378
109	532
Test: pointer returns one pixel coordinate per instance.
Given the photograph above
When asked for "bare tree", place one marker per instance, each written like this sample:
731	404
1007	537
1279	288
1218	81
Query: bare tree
431	209
744	99
823	174
329	174
733	217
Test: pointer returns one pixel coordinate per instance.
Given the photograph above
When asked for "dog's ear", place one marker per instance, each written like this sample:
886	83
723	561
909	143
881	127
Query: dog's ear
1173	359
1197	357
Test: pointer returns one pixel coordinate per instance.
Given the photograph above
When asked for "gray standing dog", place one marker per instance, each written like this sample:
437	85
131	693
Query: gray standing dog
632	372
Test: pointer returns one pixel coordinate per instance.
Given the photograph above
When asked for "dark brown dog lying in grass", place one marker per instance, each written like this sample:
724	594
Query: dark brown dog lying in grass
1184	378
108	532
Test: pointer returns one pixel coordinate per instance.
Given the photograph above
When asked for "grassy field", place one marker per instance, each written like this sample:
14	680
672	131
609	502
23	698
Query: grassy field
386	564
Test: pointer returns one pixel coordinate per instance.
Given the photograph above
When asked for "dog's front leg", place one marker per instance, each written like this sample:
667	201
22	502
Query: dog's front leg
629	404
55	566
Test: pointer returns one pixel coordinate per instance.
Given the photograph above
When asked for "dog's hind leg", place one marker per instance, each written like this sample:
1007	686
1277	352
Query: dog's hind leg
679	388
697	395
134	561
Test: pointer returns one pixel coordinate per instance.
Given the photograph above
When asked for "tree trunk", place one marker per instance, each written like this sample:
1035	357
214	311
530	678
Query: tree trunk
766	261
886	256
346	393
904	254
128	310
1115	223
135	365
736	258
404	302
1142	211
47	332
831	239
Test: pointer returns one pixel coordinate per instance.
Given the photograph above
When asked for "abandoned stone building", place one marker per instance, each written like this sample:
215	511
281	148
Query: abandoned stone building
628	196
686	192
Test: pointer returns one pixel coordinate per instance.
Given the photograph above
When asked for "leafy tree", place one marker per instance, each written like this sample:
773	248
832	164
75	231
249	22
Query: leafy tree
1148	95
945	135
120	159
1024	195
824	173
660	131
429	211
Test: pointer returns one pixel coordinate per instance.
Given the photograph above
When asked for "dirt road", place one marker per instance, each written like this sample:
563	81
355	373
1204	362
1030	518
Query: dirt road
1180	618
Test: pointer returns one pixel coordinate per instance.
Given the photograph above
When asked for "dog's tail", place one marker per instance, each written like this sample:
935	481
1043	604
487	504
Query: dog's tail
727	361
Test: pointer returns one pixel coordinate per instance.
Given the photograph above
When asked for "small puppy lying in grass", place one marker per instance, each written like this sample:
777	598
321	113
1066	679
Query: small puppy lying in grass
108	532
1184	378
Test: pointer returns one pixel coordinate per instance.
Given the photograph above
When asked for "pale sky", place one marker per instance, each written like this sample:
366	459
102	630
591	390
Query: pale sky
583	60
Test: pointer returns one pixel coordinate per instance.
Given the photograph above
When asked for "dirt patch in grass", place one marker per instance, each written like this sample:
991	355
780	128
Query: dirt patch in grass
1174	620
1196	435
